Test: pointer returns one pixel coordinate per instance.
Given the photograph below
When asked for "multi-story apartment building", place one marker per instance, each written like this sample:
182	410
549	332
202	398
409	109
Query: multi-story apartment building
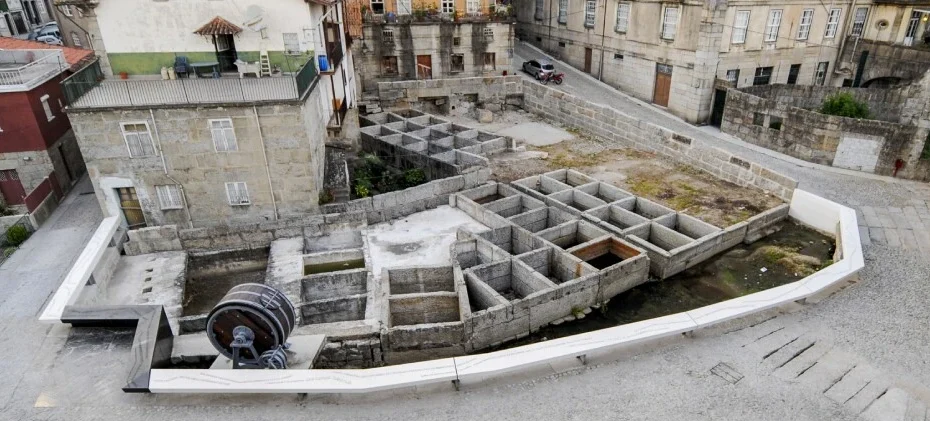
236	134
677	54
73	26
19	17
39	157
403	40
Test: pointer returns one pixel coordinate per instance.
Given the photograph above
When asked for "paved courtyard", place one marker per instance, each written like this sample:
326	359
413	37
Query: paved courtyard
859	354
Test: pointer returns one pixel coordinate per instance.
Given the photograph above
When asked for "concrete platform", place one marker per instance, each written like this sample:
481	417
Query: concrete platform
300	356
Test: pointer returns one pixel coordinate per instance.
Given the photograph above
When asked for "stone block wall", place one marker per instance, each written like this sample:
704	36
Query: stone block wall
490	93
621	130
884	104
809	135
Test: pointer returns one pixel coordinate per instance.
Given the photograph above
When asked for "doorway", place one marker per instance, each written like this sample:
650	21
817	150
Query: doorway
11	187
663	85
132	209
9	24
587	60
225	52
19	22
64	161
716	113
425	67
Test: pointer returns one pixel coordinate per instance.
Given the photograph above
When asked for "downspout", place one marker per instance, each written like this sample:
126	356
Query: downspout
600	71
261	138
849	16
164	165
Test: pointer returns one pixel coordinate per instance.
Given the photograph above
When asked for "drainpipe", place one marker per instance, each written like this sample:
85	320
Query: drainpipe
164	165
261	138
600	71
849	17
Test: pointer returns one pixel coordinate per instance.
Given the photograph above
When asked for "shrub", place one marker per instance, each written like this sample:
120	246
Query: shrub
843	104
16	235
414	177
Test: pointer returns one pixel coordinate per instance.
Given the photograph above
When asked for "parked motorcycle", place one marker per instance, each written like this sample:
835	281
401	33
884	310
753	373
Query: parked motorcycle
552	77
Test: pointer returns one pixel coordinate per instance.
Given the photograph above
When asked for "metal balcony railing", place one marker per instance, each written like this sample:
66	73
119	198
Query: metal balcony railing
22	70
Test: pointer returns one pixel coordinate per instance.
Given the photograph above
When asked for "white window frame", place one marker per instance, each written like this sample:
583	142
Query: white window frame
221	135
242	189
488	34
623	17
740	27
48	110
169	196
590	13
76	40
371	6
859	21
457	70
820	75
771	28
833	23
404	7
142	142
66	10
295	43
472	6
447	6
669	27
387	36
733	75
804	26
563	11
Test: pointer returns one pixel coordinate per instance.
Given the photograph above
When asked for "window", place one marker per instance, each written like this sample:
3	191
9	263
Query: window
590	10
793	74
404	7
758	119
804	27
669	21
540	9
740	24
563	11
561	44
472	6
377	7
387	36
291	43
389	65
821	76
138	139
859	21
224	136
66	10
456	41
763	76
733	75
833	21
447	6
48	110
618	56
458	63
489	34
169	196
771	29
76	40
490	61
623	17
237	193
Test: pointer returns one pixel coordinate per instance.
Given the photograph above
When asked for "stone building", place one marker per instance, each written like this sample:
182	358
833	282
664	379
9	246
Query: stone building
19	17
73	25
39	157
677	55
401	40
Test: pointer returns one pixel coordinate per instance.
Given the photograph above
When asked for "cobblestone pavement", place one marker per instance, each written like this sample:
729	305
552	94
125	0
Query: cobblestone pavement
907	227
860	354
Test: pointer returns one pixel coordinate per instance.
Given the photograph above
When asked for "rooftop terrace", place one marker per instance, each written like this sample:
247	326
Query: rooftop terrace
23	70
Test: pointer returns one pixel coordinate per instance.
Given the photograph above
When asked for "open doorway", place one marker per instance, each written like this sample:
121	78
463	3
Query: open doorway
225	52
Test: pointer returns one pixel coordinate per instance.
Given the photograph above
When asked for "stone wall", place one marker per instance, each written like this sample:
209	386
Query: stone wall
617	129
280	151
886	63
774	123
446	96
884	104
439	41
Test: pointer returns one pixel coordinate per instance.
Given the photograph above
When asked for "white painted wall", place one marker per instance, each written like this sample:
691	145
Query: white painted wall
134	26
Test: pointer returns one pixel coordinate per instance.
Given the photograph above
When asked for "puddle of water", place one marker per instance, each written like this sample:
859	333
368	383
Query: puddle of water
334	266
729	275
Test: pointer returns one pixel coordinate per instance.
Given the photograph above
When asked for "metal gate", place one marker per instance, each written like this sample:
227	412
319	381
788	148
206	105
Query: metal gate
11	187
132	209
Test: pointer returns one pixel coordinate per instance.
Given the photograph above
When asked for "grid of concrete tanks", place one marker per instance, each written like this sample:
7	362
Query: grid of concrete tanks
412	139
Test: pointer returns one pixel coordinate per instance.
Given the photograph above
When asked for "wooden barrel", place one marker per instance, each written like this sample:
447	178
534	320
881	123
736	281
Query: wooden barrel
265	310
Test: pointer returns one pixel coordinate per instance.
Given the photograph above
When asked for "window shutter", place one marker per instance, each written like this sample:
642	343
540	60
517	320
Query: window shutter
135	147
243	193
231	193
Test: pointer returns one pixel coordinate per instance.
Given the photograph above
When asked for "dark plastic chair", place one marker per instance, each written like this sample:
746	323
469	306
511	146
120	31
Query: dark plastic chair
181	66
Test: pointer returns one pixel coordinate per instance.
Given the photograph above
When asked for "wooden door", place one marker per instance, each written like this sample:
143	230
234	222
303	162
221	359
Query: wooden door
132	209
587	60
425	67
11	187
663	84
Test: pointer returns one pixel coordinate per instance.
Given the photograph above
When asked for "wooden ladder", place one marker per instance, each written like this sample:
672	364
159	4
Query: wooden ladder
264	63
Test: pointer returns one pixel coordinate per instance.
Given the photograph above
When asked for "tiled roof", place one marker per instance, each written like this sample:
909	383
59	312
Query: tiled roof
218	26
76	57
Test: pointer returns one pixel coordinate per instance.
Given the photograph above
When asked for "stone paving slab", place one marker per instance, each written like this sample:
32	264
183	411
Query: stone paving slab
906	227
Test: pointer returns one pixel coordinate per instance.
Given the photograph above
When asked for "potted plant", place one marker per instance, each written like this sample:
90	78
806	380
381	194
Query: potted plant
123	75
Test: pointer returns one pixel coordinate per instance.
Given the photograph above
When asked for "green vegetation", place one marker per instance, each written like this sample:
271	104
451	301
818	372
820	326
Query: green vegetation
326	196
16	235
844	104
5	211
372	176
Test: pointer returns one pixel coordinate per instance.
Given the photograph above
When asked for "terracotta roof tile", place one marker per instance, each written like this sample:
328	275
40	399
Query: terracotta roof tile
76	57
218	26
